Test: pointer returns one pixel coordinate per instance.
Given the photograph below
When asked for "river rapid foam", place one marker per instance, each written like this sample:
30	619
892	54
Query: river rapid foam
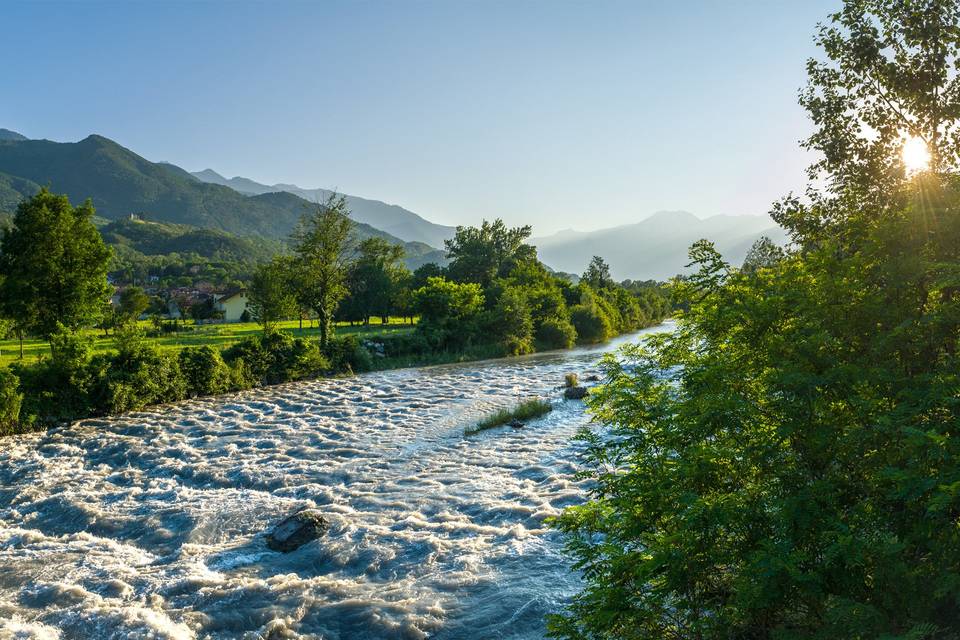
150	525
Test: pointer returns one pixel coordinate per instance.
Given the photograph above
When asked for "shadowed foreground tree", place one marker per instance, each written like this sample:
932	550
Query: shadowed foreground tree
786	465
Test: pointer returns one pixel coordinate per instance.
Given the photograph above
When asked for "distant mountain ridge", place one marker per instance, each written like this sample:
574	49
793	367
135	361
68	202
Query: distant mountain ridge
120	182
657	246
390	218
6	134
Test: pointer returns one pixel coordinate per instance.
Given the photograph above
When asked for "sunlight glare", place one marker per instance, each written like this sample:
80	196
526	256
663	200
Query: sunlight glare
916	155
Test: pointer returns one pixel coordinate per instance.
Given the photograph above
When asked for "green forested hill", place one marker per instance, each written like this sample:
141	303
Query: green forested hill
161	238
120	182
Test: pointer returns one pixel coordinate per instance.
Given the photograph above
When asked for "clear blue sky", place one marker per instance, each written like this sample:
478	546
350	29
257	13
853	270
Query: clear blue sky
558	114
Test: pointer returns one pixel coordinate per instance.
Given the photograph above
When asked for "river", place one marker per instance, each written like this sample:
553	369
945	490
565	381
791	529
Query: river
151	525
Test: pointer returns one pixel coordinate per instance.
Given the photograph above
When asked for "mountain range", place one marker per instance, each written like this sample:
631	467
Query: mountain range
391	218
656	247
120	183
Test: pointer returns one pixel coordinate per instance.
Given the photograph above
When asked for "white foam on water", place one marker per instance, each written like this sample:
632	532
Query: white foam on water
151	525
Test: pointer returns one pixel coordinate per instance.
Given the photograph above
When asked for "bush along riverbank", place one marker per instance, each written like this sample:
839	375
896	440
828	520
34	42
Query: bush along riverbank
74	383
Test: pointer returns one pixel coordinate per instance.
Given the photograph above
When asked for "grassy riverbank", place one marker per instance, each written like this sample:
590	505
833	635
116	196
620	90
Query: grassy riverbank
218	336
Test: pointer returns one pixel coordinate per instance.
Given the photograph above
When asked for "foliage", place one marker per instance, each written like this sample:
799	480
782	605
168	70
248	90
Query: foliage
373	280
323	244
525	410
556	333
133	302
785	465
481	254
347	355
10	401
271	293
53	265
276	357
449	311
590	323
204	371
139	375
597	274
510	322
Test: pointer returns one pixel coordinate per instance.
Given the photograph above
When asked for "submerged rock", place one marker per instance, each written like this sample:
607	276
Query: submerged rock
297	530
575	393
516	424
592	378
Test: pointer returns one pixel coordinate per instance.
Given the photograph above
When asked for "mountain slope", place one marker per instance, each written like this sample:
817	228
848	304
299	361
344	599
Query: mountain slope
657	246
6	134
120	182
391	218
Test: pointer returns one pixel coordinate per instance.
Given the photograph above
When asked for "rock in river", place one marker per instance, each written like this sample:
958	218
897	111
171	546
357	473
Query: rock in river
575	393
297	530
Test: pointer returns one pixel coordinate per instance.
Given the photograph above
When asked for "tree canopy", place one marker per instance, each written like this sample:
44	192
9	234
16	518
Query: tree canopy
786	464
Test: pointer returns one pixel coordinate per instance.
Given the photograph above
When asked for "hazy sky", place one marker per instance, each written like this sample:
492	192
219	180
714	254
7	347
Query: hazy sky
557	114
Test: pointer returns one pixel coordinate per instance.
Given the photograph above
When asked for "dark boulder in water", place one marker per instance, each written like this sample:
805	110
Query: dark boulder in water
592	378
575	393
297	530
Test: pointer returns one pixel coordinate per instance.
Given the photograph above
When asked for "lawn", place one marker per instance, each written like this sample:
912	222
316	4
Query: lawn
215	335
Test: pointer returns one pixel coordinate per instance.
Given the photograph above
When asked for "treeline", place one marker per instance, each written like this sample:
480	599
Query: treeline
495	294
494	298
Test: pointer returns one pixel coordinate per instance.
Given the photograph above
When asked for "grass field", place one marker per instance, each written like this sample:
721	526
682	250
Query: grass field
214	335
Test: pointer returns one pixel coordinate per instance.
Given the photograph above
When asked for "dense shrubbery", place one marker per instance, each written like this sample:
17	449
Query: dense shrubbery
204	371
275	357
500	295
10	401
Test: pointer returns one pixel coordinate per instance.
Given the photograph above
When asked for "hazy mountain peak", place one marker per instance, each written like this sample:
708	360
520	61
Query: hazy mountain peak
7	134
208	175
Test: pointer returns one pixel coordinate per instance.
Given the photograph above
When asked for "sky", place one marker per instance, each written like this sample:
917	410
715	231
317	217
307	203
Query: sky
557	114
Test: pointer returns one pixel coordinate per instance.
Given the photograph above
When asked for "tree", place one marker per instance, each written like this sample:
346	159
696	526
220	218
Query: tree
372	279
133	302
324	248
785	464
270	296
481	254
763	253
54	265
597	274
449	311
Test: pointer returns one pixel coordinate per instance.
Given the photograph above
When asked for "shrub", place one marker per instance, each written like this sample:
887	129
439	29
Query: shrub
590	323
347	355
204	371
139	375
63	386
275	357
10	401
510	323
556	333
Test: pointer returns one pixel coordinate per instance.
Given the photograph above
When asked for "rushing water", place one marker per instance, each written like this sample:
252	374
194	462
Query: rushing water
151	525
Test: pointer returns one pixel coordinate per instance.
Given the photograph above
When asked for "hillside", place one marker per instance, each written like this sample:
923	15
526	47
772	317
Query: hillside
391	218
6	134
120	182
657	246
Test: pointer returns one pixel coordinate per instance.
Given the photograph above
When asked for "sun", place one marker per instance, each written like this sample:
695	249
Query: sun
916	155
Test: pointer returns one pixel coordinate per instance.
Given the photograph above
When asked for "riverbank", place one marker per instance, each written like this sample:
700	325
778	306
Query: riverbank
155	520
77	382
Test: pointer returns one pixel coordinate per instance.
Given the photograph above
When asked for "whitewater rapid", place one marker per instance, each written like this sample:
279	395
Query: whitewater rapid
151	525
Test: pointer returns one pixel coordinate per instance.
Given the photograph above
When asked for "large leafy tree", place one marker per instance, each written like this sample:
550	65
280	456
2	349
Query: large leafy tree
54	266
482	254
325	249
787	463
373	280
